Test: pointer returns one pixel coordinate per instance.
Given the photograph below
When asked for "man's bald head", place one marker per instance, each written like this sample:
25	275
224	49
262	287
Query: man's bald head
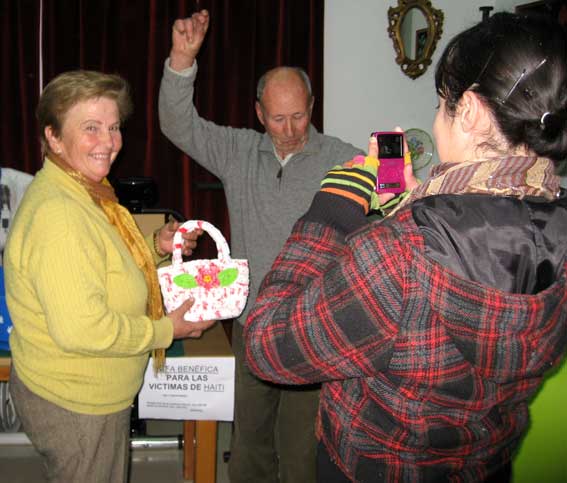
284	73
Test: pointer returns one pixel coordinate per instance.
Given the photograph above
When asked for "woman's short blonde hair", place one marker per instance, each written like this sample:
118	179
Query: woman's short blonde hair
70	88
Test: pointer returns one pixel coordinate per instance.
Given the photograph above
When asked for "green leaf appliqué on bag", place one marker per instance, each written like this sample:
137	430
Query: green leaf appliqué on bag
185	281
228	276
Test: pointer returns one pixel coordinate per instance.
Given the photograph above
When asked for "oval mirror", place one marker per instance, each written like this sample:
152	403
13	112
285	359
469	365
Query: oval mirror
414	27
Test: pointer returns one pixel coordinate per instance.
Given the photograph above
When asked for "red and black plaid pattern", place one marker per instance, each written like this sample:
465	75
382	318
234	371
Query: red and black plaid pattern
426	374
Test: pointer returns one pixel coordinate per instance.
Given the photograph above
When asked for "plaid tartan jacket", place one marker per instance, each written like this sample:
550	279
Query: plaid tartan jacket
426	374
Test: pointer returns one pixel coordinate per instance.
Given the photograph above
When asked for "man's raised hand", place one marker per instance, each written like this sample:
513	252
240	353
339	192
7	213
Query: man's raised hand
187	37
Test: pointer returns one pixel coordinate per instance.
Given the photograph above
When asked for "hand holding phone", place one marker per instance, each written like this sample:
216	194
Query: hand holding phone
391	155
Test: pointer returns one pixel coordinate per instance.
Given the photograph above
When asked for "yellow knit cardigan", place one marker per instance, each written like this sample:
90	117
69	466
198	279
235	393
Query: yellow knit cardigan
77	300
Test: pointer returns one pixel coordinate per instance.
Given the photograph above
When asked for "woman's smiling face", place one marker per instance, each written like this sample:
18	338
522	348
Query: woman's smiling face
90	137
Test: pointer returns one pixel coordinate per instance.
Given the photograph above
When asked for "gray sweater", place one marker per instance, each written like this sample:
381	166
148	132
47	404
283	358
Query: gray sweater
264	200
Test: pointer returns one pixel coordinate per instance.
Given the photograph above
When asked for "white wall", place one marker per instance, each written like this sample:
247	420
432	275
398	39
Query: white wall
365	90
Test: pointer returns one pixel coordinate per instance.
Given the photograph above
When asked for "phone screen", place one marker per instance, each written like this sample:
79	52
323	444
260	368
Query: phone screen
390	146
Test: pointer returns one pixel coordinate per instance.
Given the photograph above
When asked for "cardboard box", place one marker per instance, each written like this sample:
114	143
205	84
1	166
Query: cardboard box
197	383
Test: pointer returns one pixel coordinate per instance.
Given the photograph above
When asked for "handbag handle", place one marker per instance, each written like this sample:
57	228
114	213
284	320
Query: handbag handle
216	235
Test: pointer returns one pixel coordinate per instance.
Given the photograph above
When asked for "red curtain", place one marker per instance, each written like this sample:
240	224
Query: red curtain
19	84
133	38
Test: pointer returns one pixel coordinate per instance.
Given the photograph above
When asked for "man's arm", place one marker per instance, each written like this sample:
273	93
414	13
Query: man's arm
213	147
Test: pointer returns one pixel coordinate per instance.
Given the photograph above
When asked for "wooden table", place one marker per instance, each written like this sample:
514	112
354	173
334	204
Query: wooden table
200	451
4	368
199	437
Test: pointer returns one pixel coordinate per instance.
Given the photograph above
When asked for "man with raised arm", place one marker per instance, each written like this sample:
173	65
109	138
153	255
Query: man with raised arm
269	180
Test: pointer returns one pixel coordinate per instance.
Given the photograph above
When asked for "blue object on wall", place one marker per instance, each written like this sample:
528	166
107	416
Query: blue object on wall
5	321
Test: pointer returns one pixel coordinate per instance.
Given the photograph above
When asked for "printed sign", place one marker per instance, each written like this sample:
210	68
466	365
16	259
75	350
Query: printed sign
189	388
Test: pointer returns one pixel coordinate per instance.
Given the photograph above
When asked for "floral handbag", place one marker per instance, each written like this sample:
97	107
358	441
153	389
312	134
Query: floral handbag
219	286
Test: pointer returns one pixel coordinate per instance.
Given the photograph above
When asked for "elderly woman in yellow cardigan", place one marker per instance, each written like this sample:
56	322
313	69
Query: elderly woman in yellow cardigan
82	288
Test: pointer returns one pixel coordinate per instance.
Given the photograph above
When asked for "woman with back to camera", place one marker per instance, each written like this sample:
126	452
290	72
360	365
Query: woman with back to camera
82	288
432	329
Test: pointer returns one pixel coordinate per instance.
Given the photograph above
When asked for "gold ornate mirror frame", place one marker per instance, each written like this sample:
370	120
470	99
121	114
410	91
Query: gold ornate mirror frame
414	67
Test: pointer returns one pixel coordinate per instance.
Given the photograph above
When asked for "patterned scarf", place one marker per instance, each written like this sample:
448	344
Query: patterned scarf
514	176
103	195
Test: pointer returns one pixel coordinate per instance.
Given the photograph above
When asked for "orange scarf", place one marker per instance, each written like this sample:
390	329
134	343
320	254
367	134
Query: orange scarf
103	195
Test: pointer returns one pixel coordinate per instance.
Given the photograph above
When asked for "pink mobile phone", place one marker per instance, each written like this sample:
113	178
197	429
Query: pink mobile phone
391	156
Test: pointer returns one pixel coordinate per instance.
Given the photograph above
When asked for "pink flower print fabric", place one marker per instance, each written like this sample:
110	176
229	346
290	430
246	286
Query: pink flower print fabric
219	286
